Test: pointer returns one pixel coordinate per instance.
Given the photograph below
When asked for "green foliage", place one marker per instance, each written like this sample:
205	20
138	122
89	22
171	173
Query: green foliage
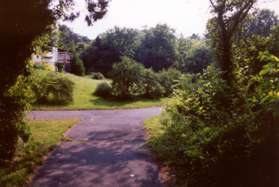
43	66
108	48
15	49
207	142
131	79
258	33
127	78
229	16
104	90
152	87
60	67
77	66
260	23
198	61
124	40
12	124
274	38
194	55
70	41
184	47
98	76
52	89
168	80
83	98
154	48
265	85
158	48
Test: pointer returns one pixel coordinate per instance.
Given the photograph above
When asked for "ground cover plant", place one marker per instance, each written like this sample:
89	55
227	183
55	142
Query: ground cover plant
45	135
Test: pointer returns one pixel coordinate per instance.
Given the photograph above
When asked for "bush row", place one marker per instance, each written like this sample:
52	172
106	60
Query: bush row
131	80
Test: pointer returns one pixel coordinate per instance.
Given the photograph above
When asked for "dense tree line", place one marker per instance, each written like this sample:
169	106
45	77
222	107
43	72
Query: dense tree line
157	48
109	47
70	41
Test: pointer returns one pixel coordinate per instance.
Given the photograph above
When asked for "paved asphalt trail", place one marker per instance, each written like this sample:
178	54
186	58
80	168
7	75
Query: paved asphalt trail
107	150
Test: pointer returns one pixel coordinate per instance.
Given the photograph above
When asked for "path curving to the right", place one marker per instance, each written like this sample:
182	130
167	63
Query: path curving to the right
107	149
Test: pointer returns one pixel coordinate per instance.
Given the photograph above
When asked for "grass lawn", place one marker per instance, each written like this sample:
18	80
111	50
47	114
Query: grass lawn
84	98
155	130
45	135
153	127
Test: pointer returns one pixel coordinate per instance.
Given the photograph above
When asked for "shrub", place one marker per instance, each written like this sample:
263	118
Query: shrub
104	90
43	66
151	85
37	89
53	89
12	123
60	67
98	76
213	144
168	80
196	60
77	66
131	79
127	78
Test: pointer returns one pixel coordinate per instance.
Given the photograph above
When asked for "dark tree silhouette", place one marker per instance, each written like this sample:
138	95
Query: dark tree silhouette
157	50
109	47
21	22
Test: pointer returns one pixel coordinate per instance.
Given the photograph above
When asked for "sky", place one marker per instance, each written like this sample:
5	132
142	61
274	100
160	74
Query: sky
185	16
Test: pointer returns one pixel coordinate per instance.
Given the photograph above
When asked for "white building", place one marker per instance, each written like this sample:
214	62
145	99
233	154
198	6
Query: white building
53	57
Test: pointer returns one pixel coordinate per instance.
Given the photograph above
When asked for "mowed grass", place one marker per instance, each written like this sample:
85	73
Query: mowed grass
45	135
84	98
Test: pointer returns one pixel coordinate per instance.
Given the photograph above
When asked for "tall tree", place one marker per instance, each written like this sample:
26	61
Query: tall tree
193	55
109	47
229	14
158	48
70	41
254	36
21	22
260	22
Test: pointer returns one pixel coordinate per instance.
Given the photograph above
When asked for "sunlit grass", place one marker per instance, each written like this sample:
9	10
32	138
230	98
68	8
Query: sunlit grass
153	127
84	98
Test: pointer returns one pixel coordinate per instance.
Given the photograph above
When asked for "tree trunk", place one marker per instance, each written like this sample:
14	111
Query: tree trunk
226	61
225	56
